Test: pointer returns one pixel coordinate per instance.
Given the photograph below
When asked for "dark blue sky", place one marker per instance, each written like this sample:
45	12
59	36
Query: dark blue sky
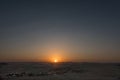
78	30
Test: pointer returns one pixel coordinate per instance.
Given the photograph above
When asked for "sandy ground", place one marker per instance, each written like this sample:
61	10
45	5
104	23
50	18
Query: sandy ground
59	71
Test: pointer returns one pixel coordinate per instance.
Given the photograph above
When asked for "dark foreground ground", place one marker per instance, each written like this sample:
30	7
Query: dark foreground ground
59	71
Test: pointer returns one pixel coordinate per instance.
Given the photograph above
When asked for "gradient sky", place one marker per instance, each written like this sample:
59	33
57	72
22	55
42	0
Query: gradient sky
70	30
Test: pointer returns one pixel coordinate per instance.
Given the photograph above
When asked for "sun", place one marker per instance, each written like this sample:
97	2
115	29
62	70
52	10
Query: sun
55	61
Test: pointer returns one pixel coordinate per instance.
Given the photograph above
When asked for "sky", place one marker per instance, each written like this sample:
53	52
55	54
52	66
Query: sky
67	30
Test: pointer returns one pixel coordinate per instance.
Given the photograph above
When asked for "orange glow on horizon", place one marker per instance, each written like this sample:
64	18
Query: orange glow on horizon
54	55
55	60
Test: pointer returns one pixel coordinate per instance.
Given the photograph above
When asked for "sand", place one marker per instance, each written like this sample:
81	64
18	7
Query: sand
59	71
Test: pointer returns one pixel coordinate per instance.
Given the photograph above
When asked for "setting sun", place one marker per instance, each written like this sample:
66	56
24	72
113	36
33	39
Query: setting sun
55	60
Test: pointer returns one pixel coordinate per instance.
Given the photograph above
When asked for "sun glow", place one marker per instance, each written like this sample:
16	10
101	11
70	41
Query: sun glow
55	61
